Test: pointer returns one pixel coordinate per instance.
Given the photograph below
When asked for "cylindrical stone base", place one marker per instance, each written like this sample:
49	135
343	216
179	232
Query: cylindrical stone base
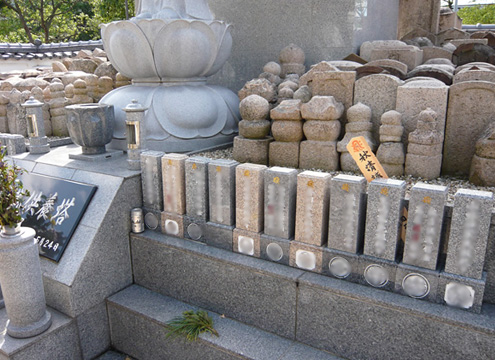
22	285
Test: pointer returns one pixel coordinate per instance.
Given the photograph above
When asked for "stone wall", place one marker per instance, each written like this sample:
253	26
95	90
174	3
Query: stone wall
340	225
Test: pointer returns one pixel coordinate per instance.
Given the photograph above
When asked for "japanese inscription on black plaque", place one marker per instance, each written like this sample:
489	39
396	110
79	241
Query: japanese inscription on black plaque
54	209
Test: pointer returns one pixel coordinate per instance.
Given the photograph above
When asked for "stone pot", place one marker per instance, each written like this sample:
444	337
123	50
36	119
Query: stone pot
90	126
22	283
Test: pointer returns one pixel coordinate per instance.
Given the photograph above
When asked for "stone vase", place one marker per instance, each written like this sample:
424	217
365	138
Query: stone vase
90	126
22	283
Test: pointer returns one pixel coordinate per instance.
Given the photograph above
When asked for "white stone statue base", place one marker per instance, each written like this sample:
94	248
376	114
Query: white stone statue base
181	116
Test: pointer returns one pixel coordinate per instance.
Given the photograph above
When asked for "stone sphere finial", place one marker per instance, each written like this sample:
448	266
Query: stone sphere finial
254	107
359	112
292	54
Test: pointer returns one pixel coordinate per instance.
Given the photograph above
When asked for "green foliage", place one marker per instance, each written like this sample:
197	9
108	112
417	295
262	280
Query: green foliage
11	192
191	324
483	14
58	20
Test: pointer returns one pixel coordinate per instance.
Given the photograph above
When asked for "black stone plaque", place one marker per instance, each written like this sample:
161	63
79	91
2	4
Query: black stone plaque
54	209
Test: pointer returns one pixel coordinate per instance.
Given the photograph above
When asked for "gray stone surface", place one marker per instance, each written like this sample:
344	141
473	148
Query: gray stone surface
280	202
218	235
417	283
410	55
246	242
174	187
152	219
464	108
424	225
378	273
15	143
194	228
342	265
347	213
94	331
469	233
383	217
249	197
221	185
305	256
196	172
274	249
172	224
379	92
408	328
250	290
313	195
461	292
151	179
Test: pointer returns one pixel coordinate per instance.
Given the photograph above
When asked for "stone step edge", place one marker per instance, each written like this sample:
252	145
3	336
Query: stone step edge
483	323
160	309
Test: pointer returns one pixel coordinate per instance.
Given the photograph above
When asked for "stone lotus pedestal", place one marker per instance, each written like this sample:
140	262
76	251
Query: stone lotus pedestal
22	284
169	50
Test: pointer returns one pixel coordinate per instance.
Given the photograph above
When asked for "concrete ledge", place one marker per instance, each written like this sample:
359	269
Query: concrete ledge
138	317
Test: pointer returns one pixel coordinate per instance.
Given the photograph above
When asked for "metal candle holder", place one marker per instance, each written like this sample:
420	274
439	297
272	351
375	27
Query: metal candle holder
135	132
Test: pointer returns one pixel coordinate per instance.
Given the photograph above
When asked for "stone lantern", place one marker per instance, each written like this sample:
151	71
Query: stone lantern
135	133
38	142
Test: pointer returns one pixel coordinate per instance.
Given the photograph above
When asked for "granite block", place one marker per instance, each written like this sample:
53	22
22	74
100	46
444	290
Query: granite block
251	150
461	292
313	195
342	265
417	283
246	242
151	179
197	204
249	197
383	218
284	154
469	233
347	213
194	228
305	256
174	187
221	185
275	249
94	333
172	224
280	202
424	225
318	154
300	351
218	235
378	273
152	219
253	291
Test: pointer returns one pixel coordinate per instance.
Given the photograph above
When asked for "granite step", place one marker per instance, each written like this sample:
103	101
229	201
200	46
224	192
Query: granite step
138	320
350	320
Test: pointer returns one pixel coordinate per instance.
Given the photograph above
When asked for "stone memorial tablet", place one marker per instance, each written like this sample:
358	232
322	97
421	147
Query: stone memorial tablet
249	197
383	217
151	178
280	202
347	206
197	187
424	226
221	177
54	209
313	194
174	192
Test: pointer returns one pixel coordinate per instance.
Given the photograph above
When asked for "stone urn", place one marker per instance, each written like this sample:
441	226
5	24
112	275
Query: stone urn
22	283
91	126
169	50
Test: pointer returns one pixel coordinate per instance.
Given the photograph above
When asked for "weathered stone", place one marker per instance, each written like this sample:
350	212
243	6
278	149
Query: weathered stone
481	65
121	80
475	73
285	93
287	131
420	41
394	67
287	110
99	53
254	107
274	79
288	84
284	154
415	96
468	53
261	87
459	42
84	54
26	84
303	94
410	55
16	114
105	85
69	91
379	92
471	105
37	93
57	108
254	129
313	195
15	143
293	77
81	93
390	153
451	34
251	150
249	197
322	130
368	46
273	68
347	213
435	52
322	108
291	60
444	73
413	15
106	69
424	226
344	65
367	70
319	155
86	65
482	170
440	61
426	166
58	66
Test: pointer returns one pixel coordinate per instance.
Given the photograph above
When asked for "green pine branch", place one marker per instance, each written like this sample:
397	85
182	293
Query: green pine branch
191	324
